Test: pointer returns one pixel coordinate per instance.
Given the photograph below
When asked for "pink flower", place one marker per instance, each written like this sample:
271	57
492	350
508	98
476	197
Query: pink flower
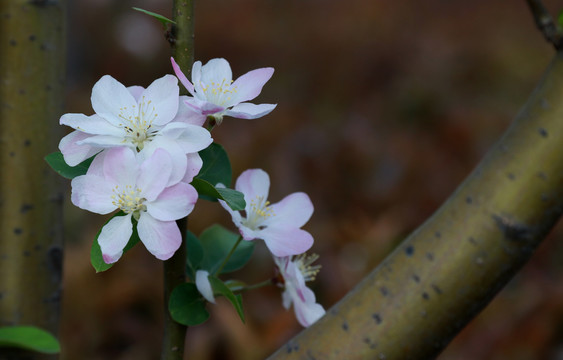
118	179
215	94
140	119
277	224
295	272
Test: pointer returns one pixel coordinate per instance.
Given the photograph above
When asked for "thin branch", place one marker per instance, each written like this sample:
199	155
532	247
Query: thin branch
448	270
545	24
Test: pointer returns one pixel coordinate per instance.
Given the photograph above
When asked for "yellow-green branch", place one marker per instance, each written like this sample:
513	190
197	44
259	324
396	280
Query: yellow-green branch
444	273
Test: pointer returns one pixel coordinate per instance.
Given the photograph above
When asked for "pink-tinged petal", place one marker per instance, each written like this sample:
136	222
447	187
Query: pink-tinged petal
308	312
250	84
92	193
206	108
292	212
173	203
196	78
136	91
216	70
94	124
161	238
195	164
154	174
248	233
204	286
183	79
189	115
97	166
177	155
250	111
120	167
114	236
73	153
160	100
191	138
254	184
110	100
286	242
105	142
235	215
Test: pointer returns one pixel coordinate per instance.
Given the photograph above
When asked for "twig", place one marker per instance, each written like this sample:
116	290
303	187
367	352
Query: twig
545	23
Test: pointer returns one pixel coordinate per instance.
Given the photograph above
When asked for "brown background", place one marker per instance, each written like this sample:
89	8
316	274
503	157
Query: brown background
383	108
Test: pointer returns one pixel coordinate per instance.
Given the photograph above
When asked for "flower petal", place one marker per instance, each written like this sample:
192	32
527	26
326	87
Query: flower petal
285	242
73	153
173	203
191	138
307	312
177	155
136	91
250	111
253	183
110	100
187	114
292	212
161	238
195	164
92	193
154	174
161	100
202	106
105	142
114	236
120	167
204	286
196	79
216	70
250	84
94	124
183	79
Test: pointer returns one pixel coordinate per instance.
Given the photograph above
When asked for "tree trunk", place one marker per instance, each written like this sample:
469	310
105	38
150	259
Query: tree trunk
32	58
443	274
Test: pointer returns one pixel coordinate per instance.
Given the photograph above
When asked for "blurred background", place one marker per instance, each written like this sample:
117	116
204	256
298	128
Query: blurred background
383	108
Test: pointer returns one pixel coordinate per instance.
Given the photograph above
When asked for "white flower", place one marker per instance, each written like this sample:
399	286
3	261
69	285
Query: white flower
215	94
204	286
295	272
277	224
140	119
117	179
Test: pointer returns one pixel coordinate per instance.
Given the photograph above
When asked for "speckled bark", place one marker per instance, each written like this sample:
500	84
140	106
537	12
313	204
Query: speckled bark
443	274
32	58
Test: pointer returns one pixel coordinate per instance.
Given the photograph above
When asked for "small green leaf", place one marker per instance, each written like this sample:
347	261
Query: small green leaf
195	254
220	288
187	306
217	242
233	198
30	338
163	20
560	18
216	165
57	163
96	257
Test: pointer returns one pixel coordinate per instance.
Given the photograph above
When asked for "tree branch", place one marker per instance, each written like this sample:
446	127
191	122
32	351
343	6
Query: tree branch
443	274
545	23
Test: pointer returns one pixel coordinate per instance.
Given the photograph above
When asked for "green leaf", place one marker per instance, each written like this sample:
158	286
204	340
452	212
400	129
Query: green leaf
560	18
216	165
163	20
233	198
96	252
57	163
217	242
220	288
187	306
195	254
30	338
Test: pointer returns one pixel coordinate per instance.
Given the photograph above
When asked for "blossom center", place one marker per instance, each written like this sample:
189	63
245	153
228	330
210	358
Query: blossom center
129	200
258	212
138	123
304	264
219	93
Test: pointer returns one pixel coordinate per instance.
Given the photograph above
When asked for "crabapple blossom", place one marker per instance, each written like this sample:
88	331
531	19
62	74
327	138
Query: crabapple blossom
117	179
294	274
215	94
277	224
140	119
204	286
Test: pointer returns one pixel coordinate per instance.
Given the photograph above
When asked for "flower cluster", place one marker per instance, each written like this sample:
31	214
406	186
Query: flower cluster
144	148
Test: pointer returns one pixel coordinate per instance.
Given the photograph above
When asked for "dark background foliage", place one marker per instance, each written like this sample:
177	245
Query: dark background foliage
383	108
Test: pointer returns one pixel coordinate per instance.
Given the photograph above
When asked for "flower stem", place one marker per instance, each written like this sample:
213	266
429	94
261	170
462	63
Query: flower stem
258	285
218	271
